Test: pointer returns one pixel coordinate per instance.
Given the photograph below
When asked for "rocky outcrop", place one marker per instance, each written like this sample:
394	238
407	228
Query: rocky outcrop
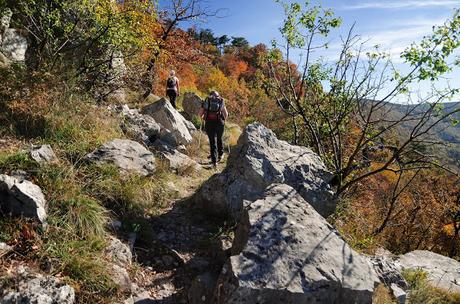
14	45
285	252
128	155
40	290
22	198
443	272
43	154
259	160
115	77
13	42
191	104
175	160
164	114
144	128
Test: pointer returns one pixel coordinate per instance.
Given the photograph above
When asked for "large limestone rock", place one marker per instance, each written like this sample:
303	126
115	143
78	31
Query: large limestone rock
259	160
443	272
14	45
43	154
22	198
144	128
285	252
191	104
175	160
128	155
40	290
164	113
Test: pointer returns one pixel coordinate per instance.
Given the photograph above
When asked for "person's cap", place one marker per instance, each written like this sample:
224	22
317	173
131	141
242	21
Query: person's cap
214	93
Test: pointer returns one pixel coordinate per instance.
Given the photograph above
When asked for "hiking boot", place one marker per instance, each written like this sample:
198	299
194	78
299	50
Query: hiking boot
219	158
214	165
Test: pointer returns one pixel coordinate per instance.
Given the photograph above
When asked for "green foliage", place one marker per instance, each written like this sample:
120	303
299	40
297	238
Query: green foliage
80	38
302	22
415	278
431	55
18	161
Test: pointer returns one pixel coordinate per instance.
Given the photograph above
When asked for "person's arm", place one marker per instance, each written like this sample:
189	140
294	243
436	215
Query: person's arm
201	113
224	111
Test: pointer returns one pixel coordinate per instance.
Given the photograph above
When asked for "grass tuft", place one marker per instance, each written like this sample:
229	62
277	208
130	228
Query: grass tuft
422	292
82	216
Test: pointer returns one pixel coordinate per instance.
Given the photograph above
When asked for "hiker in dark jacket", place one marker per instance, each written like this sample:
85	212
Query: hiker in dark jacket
214	113
172	88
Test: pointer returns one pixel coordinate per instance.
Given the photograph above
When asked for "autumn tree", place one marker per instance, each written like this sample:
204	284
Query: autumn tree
170	17
348	121
78	39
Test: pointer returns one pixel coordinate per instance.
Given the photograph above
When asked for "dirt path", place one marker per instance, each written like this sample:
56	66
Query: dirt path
186	243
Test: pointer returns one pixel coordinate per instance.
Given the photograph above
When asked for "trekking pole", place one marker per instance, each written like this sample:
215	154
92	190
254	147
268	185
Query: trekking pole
199	137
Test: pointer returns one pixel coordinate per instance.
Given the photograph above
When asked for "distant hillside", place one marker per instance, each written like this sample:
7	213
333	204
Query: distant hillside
445	131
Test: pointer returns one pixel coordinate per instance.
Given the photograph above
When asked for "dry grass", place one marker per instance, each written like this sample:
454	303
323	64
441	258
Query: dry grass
382	295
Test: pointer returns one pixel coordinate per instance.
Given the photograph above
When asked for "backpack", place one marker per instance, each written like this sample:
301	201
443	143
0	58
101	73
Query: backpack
171	83
213	107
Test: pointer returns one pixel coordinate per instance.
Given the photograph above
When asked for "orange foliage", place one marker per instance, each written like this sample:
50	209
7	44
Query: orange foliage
421	217
232	66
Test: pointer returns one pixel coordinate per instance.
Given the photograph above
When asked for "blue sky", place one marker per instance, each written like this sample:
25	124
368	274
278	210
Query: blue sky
392	24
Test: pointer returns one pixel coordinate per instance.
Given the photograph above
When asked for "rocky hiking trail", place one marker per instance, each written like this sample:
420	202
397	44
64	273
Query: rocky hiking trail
186	243
254	230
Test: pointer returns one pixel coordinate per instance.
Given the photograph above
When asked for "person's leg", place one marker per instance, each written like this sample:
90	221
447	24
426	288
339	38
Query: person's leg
220	146
172	98
211	131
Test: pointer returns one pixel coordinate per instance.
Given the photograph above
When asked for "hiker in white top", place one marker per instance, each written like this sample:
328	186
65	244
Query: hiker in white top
172	88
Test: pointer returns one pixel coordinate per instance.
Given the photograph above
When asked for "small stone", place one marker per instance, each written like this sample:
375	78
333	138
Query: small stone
41	290
22	198
43	154
119	252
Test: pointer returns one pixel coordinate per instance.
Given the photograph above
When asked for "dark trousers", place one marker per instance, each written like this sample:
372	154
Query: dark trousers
172	94
215	131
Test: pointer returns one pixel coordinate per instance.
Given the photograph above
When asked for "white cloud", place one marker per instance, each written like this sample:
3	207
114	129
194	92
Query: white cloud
401	34
403	4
